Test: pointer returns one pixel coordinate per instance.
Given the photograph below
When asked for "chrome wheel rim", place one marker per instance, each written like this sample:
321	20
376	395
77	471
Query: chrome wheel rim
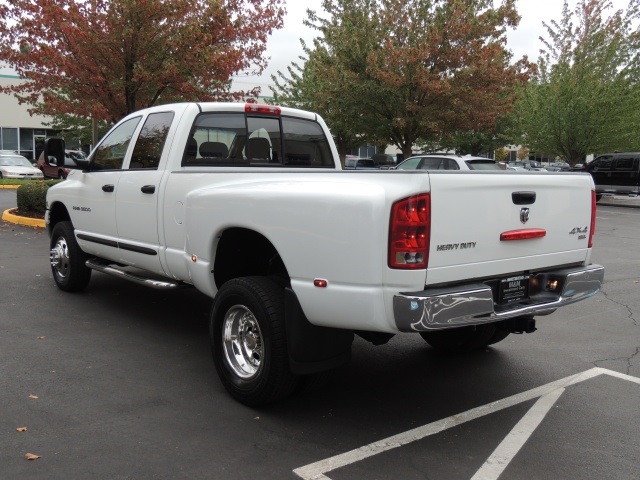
242	342
59	257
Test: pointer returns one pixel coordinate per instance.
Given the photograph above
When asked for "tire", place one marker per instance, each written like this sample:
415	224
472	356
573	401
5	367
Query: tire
67	259
248	341
462	339
61	175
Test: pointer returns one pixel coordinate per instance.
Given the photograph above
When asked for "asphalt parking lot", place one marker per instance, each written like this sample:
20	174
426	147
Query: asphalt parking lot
117	383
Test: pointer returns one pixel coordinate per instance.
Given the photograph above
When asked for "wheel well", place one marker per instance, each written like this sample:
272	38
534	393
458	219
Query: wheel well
57	213
242	252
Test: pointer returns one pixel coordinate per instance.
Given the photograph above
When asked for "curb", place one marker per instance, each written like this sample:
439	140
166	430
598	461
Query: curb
10	187
26	221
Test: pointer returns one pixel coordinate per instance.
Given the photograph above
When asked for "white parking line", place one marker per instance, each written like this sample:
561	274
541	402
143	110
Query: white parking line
511	445
317	470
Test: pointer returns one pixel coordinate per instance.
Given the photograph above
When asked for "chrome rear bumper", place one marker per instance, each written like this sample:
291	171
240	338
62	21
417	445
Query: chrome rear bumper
473	304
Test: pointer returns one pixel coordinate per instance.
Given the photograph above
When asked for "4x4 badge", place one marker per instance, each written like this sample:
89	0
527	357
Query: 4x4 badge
524	215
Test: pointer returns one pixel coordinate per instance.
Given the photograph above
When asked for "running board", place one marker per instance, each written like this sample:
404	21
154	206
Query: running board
110	269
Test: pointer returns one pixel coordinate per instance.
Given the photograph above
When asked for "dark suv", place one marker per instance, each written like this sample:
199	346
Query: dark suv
616	173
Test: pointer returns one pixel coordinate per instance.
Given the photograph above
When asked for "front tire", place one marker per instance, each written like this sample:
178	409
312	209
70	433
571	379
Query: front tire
248	341
67	259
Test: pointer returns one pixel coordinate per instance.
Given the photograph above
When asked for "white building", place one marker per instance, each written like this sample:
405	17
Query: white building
19	130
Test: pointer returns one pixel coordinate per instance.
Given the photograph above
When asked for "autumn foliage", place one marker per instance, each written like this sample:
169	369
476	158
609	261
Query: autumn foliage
107	58
415	71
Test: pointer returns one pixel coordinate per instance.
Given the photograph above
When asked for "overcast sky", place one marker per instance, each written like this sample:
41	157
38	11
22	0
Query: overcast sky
284	45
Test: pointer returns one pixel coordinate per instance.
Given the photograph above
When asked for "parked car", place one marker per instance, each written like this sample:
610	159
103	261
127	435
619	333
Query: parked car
516	168
563	166
359	164
447	162
617	173
17	166
51	168
385	160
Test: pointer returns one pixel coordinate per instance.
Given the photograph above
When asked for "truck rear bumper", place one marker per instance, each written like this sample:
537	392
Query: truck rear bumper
473	304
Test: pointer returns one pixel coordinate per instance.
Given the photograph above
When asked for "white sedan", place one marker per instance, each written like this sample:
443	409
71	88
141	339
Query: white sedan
17	166
447	162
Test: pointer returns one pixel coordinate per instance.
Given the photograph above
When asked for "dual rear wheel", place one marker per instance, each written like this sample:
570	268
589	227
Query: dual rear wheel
248	341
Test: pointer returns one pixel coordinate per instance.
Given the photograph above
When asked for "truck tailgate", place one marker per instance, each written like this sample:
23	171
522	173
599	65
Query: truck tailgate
471	210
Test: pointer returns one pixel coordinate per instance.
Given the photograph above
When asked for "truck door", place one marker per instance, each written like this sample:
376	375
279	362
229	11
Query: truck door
94	210
137	195
624	174
600	170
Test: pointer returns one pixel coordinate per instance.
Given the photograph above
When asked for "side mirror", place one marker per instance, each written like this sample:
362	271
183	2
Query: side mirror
54	149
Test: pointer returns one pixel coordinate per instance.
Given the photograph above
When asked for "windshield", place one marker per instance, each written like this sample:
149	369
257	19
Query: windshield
77	155
15	161
482	165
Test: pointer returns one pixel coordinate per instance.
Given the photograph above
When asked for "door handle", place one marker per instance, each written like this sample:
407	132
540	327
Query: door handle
108	188
148	189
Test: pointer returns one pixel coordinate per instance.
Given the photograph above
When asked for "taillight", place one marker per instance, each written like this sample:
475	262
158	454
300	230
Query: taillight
592	229
260	108
409	232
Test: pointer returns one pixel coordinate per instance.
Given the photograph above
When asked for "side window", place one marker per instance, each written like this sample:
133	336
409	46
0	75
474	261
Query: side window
109	155
624	164
601	163
150	142
410	164
432	164
450	164
305	144
216	139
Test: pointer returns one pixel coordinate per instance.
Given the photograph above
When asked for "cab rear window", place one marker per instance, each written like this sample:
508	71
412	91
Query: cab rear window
238	139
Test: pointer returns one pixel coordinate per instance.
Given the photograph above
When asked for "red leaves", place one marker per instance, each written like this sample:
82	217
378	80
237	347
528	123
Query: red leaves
106	58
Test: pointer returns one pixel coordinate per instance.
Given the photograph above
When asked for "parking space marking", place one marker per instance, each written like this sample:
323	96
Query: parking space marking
515	440
317	470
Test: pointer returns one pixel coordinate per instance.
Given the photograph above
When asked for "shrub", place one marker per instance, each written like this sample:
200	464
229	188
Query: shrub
32	196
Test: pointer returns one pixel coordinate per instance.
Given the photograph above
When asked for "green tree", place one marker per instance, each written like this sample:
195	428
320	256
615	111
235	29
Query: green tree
585	97
77	129
309	88
107	58
407	72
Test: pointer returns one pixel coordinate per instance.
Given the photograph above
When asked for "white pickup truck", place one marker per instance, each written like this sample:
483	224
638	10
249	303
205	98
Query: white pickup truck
248	204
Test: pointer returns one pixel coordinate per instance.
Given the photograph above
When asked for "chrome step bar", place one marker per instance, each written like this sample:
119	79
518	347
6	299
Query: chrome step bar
110	269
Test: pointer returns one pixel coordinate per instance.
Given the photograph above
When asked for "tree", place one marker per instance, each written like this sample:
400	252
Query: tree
77	129
309	88
586	96
408	72
523	153
107	58
478	143
501	154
